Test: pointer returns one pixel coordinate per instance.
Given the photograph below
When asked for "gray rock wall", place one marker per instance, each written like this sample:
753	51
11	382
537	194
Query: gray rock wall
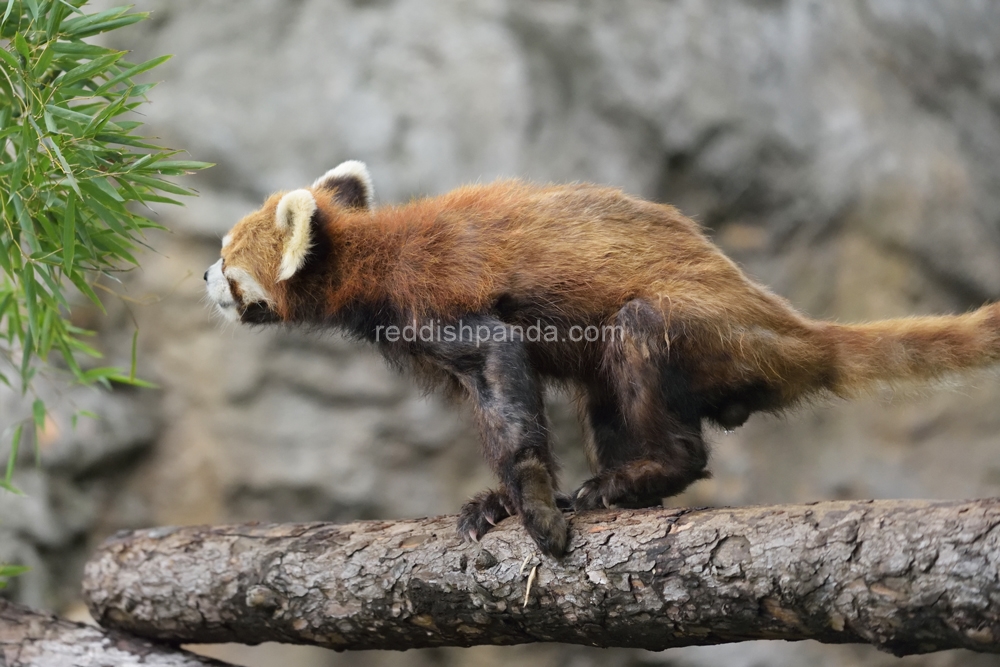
847	154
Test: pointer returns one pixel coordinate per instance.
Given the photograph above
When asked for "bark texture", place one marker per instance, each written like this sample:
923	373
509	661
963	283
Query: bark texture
33	639
906	576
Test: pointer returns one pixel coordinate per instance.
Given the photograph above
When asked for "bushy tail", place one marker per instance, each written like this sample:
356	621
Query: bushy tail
912	349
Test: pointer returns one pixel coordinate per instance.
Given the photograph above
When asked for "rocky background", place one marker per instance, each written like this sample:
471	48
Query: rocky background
847	154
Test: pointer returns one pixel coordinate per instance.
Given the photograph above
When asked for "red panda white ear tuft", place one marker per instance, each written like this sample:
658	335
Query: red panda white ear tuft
293	217
351	184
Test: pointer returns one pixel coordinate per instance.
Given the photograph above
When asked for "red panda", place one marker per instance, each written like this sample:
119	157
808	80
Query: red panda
492	290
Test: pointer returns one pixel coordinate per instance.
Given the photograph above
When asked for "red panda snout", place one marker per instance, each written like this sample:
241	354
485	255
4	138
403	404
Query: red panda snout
220	293
237	296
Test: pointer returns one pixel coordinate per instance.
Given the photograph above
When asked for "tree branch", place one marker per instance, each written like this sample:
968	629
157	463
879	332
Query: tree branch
906	576
35	639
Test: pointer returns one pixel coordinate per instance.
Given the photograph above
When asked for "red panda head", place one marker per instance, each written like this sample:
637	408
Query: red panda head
273	245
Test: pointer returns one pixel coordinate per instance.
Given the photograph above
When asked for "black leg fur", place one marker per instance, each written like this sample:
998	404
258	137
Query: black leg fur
606	438
507	395
662	451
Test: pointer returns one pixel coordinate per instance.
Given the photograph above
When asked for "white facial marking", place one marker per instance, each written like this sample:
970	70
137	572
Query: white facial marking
220	294
250	289
226	240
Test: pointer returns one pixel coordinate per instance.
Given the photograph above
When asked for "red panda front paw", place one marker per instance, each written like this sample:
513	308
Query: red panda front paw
547	527
484	511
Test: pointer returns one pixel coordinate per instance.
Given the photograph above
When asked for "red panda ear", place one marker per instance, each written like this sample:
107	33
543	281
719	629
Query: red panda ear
293	218
351	184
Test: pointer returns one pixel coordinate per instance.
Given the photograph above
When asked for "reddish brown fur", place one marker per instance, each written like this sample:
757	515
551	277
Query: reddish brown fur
584	251
701	340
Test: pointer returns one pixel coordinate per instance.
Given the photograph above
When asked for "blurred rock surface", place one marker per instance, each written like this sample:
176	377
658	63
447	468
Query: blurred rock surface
846	154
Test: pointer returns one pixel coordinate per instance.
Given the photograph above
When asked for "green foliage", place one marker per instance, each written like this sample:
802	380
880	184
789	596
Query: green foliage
68	173
7	571
74	181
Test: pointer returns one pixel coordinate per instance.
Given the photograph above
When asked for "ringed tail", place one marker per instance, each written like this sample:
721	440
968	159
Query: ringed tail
911	349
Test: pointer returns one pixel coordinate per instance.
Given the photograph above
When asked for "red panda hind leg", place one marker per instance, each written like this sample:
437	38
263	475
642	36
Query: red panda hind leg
643	424
506	393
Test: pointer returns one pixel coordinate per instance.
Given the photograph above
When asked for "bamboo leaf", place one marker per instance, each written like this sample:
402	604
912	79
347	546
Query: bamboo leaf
59	11
30	301
5	302
69	233
66	168
7	486
93	24
177	167
27	352
38	413
158	199
15	445
126	140
21	44
104	205
87	291
104	186
13	570
8	58
102	118
134	382
43	62
6	13
100	372
87	70
131	72
78	49
135	347
73	27
68	114
159	184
